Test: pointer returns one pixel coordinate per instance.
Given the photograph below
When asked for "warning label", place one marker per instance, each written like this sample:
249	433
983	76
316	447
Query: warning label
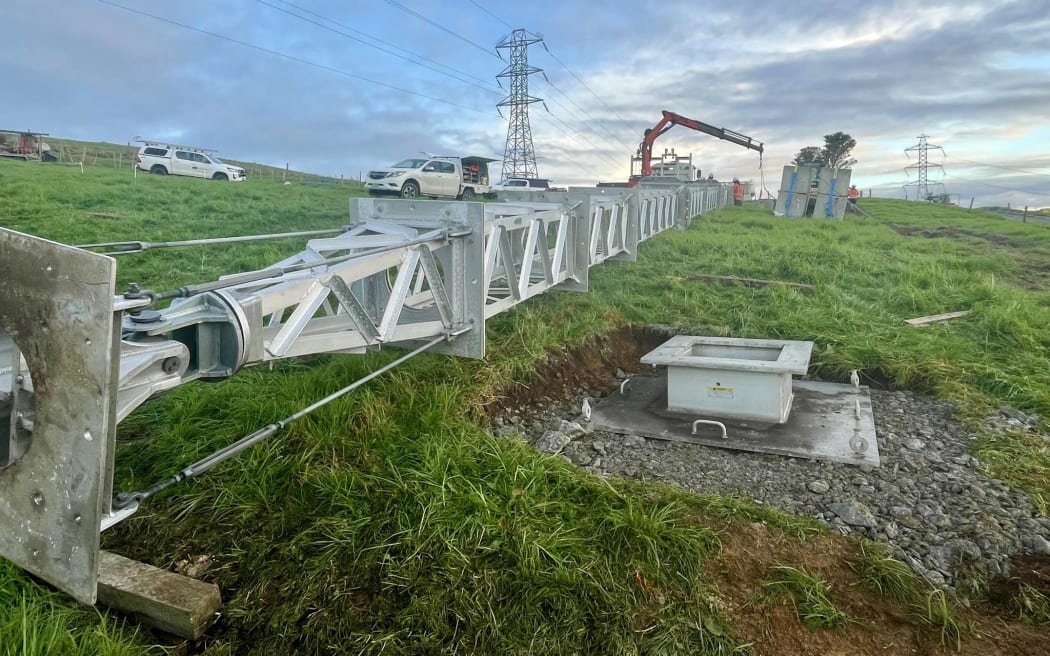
721	392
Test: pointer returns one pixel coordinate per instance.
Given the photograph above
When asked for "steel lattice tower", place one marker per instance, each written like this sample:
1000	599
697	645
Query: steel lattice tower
519	157
922	185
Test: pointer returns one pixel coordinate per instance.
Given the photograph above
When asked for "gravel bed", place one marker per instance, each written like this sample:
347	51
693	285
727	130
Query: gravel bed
929	501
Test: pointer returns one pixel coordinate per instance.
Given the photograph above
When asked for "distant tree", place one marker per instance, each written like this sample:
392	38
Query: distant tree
810	155
836	151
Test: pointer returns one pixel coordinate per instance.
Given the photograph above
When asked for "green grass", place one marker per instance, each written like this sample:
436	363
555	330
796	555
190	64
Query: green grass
35	622
390	522
809	593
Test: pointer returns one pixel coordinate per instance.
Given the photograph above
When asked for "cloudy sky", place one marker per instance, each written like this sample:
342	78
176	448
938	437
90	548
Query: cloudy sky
338	87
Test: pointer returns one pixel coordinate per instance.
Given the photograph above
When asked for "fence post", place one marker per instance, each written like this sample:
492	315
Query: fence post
285	179
971	203
1024	217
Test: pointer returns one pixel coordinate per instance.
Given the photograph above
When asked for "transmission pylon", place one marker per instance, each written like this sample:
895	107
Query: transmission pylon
519	157
922	185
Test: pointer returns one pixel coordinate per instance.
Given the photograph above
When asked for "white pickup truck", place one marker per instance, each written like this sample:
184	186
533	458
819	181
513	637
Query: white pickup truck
445	177
165	159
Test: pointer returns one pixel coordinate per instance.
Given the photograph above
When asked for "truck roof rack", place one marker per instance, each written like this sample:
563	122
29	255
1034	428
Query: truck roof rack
195	149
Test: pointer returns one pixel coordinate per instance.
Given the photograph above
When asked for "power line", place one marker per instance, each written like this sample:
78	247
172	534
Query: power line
584	84
289	57
575	135
999	166
605	135
982	182
482	8
593	121
595	132
411	57
560	63
441	27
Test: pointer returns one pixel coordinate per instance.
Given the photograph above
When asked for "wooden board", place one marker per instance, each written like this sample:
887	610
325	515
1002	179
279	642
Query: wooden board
164	600
934	318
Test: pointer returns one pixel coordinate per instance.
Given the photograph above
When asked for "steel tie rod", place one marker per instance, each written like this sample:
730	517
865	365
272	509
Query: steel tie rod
126	247
131	500
277	272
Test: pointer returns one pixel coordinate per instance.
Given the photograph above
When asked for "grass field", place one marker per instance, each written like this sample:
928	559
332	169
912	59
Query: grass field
100	154
391	522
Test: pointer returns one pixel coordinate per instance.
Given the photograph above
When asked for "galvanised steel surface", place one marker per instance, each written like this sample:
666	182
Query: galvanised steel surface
76	357
57	419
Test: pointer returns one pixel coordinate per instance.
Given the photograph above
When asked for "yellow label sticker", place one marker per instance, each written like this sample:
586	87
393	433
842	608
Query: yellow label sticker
721	392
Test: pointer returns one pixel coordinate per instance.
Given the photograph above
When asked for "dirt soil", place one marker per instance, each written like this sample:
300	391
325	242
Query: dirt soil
591	366
881	626
1026	570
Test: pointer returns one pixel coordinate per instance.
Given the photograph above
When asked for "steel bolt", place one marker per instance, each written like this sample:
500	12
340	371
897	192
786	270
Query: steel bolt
170	365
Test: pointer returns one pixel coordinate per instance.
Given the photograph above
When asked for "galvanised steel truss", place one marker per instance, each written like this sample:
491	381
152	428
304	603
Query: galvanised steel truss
76	357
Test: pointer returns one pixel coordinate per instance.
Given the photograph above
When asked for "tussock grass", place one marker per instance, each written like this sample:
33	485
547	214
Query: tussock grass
809	593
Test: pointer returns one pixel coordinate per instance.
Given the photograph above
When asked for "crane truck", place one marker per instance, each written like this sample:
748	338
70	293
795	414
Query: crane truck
668	121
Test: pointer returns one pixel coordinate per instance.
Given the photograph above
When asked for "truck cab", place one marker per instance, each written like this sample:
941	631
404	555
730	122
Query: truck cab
440	177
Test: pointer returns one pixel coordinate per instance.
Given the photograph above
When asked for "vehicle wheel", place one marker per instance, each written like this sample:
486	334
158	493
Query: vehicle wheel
158	169
410	190
220	176
468	194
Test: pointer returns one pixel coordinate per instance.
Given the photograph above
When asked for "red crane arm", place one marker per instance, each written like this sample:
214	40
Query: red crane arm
669	120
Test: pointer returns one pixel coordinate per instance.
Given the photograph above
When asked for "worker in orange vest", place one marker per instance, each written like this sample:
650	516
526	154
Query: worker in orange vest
854	194
738	193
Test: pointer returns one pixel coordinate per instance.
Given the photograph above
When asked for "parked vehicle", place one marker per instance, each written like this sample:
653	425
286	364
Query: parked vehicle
523	184
165	159
444	177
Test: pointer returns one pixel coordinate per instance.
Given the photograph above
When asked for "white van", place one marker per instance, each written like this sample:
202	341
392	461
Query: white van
164	159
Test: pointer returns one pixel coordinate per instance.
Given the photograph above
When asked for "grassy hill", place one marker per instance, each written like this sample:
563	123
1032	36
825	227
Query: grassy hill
122	156
392	522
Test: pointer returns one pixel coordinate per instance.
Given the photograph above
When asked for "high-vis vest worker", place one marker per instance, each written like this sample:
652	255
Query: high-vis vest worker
854	193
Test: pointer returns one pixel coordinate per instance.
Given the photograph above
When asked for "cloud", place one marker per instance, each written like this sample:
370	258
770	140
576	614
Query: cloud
974	75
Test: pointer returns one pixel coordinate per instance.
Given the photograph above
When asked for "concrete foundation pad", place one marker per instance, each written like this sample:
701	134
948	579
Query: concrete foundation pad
823	422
